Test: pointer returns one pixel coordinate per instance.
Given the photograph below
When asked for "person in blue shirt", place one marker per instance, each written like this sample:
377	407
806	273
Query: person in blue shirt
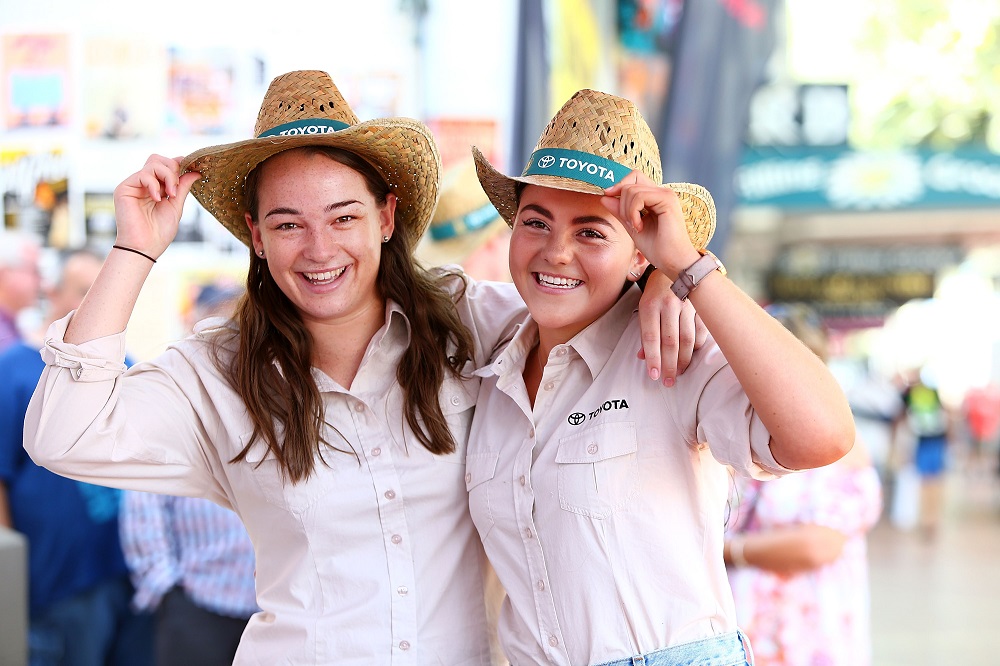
79	589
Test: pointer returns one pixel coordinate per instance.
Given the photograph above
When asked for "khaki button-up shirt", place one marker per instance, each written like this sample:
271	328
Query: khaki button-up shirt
372	560
602	507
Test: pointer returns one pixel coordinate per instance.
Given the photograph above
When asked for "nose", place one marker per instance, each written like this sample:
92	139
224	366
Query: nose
320	244
557	249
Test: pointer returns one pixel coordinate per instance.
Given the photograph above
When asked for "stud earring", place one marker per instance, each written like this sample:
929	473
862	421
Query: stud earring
260	253
634	275
385	239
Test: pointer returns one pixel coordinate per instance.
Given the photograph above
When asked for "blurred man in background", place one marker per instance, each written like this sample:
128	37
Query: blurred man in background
19	282
78	583
192	561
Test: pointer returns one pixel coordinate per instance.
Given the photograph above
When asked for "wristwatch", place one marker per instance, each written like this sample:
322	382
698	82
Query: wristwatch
689	278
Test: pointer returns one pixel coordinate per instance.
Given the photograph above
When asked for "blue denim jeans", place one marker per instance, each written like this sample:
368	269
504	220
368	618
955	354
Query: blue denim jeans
93	628
726	650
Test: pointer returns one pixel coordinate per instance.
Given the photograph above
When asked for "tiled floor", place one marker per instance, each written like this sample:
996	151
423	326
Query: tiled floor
937	601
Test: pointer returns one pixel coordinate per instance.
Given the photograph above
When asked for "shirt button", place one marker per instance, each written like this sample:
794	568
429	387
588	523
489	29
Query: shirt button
523	480
402	590
376	452
531	433
359	407
549	386
553	641
561	351
455	400
468	478
592	449
390	494
527	532
540	585
396	538
404	645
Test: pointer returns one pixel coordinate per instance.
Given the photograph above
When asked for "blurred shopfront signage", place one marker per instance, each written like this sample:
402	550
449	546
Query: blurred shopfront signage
799	115
856	286
837	178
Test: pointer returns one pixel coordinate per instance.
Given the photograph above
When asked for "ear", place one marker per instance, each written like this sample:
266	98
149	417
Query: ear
637	267
257	243
387	221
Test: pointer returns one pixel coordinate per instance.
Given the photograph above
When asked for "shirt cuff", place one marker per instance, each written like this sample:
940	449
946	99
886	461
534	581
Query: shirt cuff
93	361
764	466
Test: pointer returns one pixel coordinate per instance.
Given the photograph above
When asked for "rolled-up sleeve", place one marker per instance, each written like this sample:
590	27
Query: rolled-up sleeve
146	428
714	409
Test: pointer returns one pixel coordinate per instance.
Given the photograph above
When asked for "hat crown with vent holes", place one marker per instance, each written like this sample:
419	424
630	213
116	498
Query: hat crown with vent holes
592	142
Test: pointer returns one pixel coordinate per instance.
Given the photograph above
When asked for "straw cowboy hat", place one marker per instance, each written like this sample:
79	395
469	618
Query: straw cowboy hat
464	220
305	108
593	142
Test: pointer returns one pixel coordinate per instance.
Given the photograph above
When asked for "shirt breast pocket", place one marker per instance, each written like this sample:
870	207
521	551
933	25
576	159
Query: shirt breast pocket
480	468
277	489
598	470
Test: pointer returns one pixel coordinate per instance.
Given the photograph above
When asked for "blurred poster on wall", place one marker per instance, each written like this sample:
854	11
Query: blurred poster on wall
34	188
36	80
647	30
125	87
456	136
581	48
201	91
719	58
99	218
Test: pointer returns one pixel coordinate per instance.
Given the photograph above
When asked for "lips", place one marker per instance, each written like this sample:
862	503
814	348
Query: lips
556	282
325	277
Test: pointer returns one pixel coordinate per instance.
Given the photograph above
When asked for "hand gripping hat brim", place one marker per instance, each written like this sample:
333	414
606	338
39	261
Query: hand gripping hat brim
305	108
592	143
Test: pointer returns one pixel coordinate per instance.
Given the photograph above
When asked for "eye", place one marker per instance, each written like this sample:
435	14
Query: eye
284	226
534	223
345	218
592	233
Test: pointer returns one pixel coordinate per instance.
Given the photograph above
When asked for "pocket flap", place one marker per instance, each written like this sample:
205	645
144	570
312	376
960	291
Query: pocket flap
480	467
598	442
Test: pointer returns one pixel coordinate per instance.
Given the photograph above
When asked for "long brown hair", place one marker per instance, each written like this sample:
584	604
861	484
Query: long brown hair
271	369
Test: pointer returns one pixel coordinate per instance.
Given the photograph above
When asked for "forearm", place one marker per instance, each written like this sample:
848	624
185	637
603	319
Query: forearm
109	303
790	388
786	551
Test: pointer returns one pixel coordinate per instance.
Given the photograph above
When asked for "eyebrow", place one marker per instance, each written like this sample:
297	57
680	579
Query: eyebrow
583	219
285	210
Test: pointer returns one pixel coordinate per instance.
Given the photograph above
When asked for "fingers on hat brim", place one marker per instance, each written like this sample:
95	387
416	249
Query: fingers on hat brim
699	212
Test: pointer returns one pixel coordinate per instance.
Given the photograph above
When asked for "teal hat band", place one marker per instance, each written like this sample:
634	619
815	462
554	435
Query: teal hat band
577	165
468	223
307	126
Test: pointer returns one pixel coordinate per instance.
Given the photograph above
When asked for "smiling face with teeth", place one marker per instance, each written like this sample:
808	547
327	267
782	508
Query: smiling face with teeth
321	231
569	258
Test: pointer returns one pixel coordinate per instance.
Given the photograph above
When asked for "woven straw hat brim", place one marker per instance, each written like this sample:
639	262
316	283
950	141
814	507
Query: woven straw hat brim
696	201
402	150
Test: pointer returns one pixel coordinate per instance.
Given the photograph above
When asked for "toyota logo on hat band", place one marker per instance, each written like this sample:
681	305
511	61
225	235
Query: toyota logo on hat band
577	165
